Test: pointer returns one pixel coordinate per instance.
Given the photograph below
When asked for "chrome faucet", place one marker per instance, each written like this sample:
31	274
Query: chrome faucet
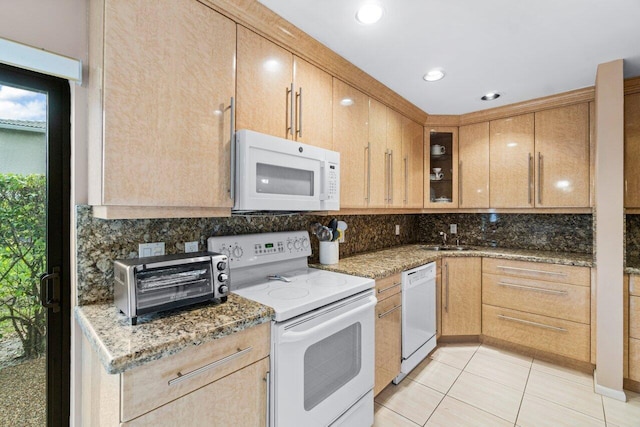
444	238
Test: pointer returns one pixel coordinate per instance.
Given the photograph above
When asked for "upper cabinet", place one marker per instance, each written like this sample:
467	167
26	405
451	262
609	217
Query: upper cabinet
441	165
511	152
632	151
473	166
280	94
412	163
562	158
160	86
351	139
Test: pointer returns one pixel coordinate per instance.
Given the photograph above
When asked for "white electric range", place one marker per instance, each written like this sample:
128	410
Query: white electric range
322	352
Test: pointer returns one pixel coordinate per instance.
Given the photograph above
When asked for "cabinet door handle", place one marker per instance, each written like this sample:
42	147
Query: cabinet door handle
460	182
531	270
533	288
395	285
183	377
388	312
530	323
406	180
540	182
530	178
446	282
299	108
368	198
390	177
290	95
232	149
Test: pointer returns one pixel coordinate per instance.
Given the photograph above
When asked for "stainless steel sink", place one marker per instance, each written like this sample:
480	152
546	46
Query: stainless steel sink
446	248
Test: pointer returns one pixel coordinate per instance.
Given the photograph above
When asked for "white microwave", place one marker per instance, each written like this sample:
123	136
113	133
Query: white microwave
275	174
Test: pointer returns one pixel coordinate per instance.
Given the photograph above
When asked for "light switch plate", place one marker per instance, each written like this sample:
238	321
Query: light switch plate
397	229
191	246
150	249
453	228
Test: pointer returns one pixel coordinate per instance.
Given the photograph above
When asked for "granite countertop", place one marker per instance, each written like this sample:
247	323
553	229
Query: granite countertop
385	262
121	346
632	270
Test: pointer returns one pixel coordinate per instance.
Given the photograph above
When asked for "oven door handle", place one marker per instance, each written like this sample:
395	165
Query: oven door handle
291	336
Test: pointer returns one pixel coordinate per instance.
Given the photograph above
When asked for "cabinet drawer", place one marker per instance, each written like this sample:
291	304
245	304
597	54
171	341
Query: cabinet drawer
239	400
557	336
634	359
388	286
388	341
580	276
166	379
634	317
559	300
634	285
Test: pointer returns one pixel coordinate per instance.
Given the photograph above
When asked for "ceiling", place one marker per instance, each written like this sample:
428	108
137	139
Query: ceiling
521	49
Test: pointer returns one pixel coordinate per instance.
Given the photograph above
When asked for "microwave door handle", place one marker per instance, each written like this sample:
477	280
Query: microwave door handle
324	176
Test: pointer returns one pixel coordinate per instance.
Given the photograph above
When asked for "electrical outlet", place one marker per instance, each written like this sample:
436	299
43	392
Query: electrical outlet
397	229
191	246
453	228
150	249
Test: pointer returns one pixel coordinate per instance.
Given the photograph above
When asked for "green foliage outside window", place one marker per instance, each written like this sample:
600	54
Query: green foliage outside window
23	259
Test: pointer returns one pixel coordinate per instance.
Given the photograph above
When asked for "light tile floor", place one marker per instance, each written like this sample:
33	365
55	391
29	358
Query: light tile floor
472	385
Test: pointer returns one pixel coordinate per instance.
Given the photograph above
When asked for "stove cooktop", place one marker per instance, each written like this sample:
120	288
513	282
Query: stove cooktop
308	289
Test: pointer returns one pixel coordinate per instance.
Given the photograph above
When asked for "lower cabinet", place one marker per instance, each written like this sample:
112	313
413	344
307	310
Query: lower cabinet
541	306
461	296
634	328
388	331
219	383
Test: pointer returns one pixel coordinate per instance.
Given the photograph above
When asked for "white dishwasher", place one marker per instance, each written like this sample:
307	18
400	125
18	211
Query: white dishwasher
418	316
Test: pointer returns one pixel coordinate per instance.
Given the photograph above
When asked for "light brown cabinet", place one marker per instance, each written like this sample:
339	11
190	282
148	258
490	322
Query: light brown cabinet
562	158
442	153
473	166
281	94
511	151
155	129
351	135
542	306
385	168
633	328
223	377
632	151
461	296
412	155
388	331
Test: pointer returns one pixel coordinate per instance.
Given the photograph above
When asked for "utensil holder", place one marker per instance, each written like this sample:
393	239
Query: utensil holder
329	253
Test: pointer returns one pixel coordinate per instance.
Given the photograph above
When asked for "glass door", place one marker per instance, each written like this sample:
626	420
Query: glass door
34	249
442	164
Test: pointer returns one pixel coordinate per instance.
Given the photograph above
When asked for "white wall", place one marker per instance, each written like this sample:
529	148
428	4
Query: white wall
60	26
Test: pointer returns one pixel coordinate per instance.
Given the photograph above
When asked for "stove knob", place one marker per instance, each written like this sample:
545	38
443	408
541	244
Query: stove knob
223	289
222	266
305	243
289	245
223	277
297	245
237	252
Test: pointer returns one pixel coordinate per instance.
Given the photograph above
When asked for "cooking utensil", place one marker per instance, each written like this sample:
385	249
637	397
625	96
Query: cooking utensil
325	234
315	228
333	225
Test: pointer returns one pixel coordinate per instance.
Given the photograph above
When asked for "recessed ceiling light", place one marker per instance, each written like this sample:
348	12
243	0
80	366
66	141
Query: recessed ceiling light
369	13
490	96
434	75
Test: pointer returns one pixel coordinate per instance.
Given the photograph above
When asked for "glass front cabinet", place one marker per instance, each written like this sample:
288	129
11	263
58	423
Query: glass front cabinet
441	169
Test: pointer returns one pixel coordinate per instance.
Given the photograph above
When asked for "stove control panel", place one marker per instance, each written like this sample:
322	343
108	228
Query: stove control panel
255	249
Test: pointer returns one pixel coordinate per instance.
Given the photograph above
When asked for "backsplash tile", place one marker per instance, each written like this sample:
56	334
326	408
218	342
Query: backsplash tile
100	242
632	240
549	232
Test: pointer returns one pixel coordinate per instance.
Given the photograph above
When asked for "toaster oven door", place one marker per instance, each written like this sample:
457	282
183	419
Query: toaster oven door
173	286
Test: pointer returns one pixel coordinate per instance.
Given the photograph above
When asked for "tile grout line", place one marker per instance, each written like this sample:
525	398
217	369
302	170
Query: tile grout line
524	391
397	413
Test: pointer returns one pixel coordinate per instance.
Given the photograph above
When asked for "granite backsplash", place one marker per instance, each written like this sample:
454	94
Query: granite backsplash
548	232
632	243
100	242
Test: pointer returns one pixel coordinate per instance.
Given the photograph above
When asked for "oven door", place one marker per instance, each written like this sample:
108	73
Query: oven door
323	363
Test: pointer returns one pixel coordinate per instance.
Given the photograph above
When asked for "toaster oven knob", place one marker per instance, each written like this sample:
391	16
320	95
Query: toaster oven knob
223	277
223	289
222	266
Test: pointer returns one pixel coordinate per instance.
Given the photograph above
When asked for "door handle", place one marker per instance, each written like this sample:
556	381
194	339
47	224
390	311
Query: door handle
50	290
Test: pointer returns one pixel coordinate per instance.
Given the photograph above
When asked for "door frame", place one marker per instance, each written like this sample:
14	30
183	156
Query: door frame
58	231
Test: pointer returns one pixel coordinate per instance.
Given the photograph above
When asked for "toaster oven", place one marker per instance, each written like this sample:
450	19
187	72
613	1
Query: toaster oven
152	284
